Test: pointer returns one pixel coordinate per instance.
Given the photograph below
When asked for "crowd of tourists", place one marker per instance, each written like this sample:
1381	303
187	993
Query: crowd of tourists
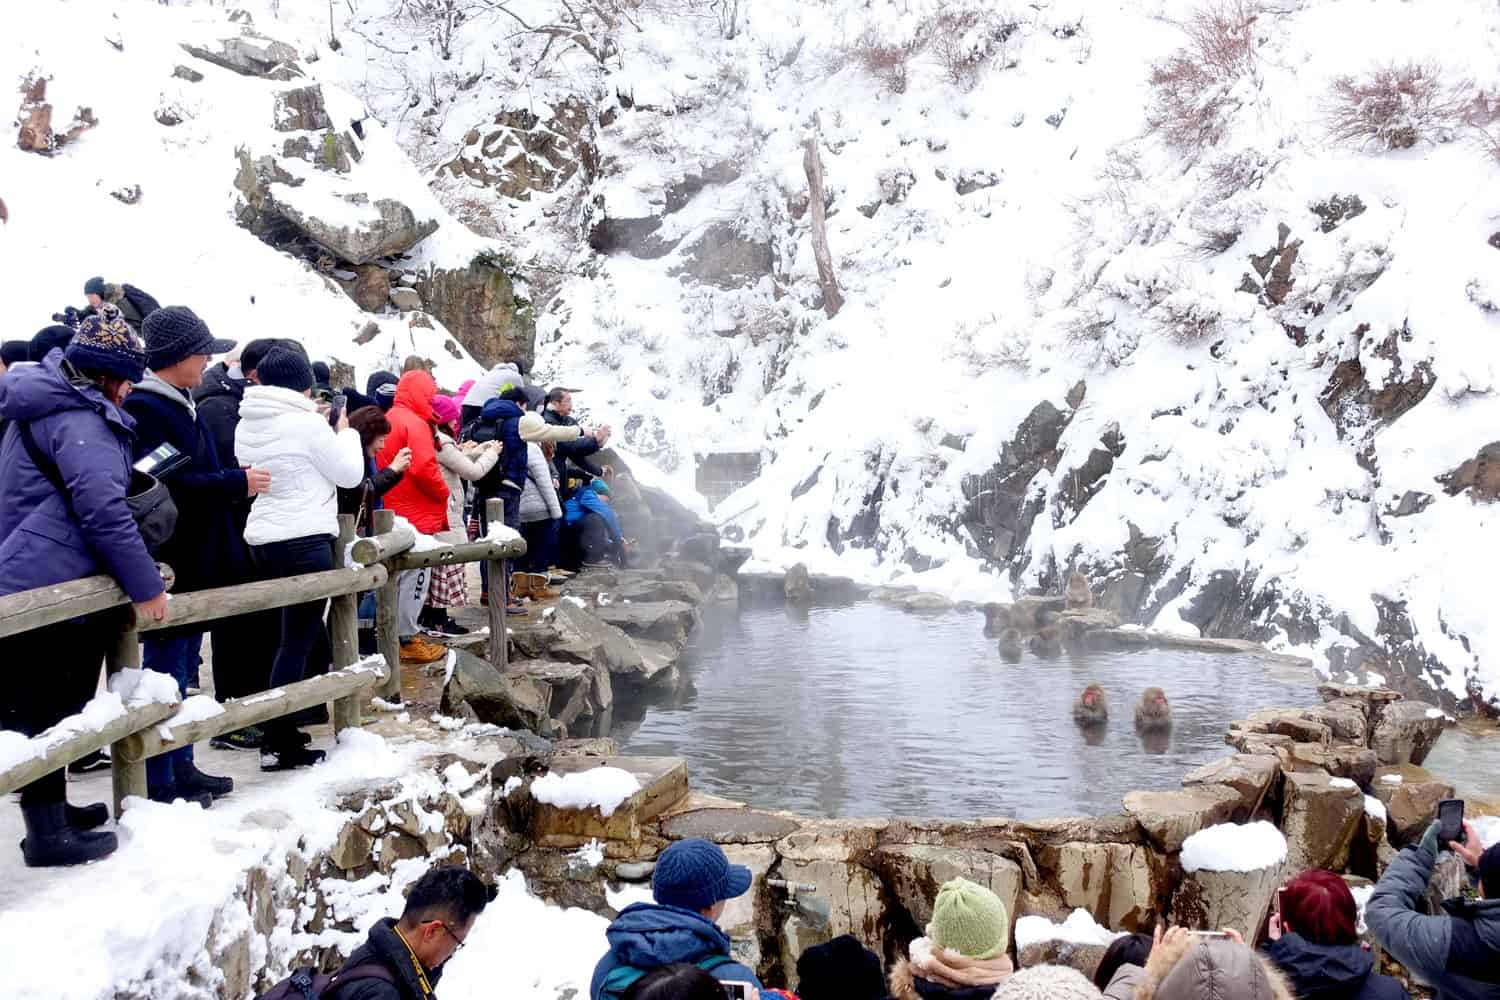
121	446
673	948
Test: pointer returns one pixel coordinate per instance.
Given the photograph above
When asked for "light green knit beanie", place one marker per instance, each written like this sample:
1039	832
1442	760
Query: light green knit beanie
969	919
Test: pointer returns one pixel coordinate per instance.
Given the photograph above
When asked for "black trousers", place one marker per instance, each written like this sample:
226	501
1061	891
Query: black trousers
300	623
50	673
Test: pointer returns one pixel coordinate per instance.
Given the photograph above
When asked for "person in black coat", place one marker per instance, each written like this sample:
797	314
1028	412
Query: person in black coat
206	549
440	912
559	412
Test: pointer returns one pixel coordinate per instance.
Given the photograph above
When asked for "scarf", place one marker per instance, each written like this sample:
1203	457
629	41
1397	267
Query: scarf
956	971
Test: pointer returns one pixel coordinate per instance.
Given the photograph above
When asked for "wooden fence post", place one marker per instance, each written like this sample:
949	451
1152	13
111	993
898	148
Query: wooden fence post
499	594
127	777
343	634
387	617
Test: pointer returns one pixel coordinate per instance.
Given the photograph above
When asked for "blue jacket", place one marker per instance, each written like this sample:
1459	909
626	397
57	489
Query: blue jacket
647	936
500	420
586	501
90	441
1458	953
207	547
1331	972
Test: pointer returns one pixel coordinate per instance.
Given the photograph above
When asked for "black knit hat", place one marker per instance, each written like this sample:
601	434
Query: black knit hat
1489	872
47	338
842	969
105	344
175	332
321	374
15	351
95	286
286	369
252	352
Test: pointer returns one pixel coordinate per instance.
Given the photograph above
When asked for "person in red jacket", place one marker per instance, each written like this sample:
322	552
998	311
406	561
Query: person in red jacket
421	497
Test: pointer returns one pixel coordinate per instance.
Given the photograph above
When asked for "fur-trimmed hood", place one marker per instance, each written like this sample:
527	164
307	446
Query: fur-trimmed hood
907	985
1195	968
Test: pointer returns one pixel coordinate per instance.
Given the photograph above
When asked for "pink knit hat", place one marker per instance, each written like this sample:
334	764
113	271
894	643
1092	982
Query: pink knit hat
446	409
463	390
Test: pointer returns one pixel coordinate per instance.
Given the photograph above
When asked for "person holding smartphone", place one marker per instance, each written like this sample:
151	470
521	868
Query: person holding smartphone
1456	952
1312	938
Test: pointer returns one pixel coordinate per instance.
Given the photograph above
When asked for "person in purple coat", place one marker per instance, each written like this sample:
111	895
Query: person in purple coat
64	424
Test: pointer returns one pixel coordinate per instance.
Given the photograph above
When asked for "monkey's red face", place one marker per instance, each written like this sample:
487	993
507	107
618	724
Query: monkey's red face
1161	701
1088	698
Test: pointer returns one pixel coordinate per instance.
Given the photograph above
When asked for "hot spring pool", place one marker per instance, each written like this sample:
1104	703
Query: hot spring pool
868	710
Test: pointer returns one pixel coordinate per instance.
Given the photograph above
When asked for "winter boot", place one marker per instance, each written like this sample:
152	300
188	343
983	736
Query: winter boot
97	761
85	818
287	757
419	650
50	842
520	587
171	793
539	589
192	782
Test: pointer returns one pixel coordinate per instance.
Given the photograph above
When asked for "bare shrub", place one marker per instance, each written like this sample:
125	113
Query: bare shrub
964	39
1397	106
1483	119
1193	88
886	61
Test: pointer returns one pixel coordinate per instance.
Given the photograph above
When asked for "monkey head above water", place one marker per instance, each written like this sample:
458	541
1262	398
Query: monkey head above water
1010	644
1046	642
1077	592
1090	708
1153	712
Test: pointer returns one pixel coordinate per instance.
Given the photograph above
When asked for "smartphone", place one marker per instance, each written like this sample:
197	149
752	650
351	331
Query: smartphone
736	990
1450	821
1209	934
336	407
160	460
1278	902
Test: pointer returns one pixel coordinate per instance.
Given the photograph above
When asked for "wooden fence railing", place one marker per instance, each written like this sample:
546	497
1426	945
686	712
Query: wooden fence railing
145	728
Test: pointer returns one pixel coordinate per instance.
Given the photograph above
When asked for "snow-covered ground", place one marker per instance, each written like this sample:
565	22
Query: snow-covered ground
1001	230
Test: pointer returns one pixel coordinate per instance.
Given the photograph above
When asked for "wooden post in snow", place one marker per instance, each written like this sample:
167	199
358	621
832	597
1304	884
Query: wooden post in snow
387	612
343	631
833	297
499	645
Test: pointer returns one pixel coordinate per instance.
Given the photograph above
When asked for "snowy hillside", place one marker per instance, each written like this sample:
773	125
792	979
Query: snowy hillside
1288	341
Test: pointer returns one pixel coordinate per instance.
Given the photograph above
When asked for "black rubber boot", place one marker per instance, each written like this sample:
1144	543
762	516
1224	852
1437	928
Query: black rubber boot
50	842
172	793
83	818
192	782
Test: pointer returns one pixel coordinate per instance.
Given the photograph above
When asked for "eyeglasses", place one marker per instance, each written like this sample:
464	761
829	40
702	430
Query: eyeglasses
458	942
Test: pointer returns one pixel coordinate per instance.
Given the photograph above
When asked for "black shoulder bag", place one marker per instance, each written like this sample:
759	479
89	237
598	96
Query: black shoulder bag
149	501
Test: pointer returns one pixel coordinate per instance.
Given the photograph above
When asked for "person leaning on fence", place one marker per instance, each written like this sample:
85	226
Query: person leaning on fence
205	550
65	465
370	423
293	525
421	497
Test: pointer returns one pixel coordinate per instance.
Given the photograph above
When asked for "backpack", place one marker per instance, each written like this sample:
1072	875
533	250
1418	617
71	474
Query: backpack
622	977
307	983
144	303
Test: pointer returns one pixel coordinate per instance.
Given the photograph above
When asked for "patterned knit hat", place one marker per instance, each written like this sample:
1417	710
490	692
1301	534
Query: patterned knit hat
969	919
1048	982
105	344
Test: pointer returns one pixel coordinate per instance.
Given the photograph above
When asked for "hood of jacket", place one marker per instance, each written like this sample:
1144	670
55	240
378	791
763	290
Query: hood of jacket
263	402
497	410
1318	970
378	379
217	382
1195	967
415	392
647	935
29	392
907	985
153	385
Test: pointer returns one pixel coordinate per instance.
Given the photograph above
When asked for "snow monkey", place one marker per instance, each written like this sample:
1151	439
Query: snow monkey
1077	593
1090	708
1010	644
1153	712
1047	641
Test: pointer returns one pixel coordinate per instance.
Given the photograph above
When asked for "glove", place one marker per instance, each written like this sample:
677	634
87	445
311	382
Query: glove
1430	839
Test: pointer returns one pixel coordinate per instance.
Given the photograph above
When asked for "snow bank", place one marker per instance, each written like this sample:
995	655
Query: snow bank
128	689
1078	928
1341	783
604	787
1234	847
1375	808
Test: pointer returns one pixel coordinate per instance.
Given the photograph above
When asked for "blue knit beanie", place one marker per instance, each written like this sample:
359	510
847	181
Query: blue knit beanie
104	344
696	874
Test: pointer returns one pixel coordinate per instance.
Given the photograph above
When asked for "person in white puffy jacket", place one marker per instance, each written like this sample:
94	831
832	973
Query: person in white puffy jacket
292	526
458	464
